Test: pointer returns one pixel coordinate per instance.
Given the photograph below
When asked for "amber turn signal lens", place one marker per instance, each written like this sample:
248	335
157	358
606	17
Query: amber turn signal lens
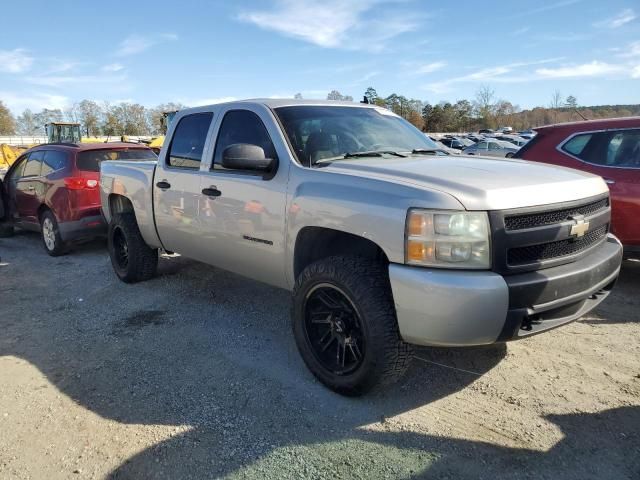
419	251
416	225
419	225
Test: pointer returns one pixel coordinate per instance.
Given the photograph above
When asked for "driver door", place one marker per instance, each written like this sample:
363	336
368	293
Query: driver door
242	211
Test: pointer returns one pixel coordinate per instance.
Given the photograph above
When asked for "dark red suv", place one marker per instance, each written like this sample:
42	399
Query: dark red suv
608	148
53	189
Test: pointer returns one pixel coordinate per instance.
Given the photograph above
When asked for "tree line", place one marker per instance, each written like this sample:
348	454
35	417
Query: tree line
485	110
123	118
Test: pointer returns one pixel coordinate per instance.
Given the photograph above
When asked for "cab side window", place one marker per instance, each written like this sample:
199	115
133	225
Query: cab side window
482	145
494	146
34	164
188	141
242	126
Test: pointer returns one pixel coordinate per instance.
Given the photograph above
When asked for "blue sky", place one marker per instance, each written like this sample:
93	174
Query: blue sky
198	52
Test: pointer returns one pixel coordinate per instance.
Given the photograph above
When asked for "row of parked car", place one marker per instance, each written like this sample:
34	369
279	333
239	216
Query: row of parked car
487	144
53	189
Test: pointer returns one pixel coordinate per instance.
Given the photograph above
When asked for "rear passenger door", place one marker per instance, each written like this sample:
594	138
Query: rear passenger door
29	188
243	226
176	190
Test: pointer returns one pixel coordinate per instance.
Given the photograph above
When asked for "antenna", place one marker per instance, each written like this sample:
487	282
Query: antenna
581	116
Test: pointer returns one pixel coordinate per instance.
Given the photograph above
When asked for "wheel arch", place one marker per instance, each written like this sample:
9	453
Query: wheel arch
120	204
315	243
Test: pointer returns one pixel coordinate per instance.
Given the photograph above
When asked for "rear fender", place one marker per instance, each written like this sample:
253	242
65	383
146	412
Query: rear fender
127	186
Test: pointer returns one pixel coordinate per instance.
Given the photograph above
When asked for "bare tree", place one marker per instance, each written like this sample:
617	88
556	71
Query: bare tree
485	106
336	95
156	116
28	123
89	115
556	104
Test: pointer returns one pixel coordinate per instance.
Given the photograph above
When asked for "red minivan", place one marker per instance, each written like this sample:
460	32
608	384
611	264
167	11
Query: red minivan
53	189
609	148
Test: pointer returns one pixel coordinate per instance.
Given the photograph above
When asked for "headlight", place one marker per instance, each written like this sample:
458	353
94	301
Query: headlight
448	239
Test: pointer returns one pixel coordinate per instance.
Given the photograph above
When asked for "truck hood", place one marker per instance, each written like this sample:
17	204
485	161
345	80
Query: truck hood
480	183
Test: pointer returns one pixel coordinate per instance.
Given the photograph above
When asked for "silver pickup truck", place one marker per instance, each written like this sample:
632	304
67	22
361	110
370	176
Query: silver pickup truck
384	240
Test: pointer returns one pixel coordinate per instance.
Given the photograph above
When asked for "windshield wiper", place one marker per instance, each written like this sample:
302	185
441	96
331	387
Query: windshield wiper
373	153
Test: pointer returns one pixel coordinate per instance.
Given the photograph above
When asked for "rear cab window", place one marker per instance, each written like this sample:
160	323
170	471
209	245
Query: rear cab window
90	160
189	138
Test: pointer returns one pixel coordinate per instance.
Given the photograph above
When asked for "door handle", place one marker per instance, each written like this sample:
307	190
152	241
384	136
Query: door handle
212	191
608	181
163	184
31	187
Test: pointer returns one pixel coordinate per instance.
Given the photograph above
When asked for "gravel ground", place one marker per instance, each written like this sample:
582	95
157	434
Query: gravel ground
195	375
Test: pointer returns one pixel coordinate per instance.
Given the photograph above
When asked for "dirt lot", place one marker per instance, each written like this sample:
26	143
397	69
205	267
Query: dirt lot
195	375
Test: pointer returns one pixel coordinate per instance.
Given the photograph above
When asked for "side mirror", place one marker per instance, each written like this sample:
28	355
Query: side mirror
244	156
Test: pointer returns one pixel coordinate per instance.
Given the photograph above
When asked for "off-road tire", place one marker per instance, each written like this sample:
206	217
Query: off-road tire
142	260
366	284
50	235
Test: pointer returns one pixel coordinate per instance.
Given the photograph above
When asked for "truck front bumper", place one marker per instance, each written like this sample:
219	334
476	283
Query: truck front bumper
463	308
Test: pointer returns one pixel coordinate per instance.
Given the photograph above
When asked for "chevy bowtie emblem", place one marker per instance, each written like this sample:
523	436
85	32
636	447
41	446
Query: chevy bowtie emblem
580	228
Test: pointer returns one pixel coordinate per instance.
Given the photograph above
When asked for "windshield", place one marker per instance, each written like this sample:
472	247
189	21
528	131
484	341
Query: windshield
325	132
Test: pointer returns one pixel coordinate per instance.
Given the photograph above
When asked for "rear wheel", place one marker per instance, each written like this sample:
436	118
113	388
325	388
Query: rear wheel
345	325
51	238
132	259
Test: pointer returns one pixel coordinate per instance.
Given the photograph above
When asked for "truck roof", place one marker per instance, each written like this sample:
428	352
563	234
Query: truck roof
284	102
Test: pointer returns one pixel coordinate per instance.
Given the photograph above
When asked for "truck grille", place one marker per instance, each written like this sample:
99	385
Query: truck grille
545	251
528	239
532	220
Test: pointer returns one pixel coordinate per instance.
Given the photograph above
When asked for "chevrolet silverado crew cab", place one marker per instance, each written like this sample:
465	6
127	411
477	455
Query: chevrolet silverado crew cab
384	241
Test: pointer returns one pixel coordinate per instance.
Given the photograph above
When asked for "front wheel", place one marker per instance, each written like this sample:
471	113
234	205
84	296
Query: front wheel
345	325
132	259
509	155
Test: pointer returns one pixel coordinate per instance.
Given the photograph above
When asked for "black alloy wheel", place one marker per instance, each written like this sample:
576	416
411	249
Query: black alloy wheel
334	330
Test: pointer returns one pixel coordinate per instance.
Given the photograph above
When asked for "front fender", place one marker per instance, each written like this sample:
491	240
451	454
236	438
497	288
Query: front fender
370	208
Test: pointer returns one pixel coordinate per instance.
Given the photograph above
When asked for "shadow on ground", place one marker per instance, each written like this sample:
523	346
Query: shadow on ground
623	305
212	351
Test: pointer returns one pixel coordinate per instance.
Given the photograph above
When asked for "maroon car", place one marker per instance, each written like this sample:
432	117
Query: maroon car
609	148
53	189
